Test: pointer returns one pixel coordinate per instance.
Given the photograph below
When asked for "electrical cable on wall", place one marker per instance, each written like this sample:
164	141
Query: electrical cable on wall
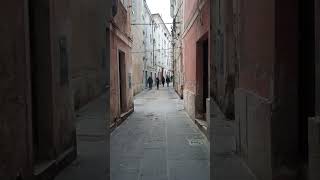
150	24
158	50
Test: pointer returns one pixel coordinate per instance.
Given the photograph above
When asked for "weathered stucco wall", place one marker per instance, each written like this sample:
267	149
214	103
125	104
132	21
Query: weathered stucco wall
266	100
140	44
317	55
138	75
314	125
55	132
194	30
88	64
15	111
137	59
63	112
258	52
119	45
253	98
120	41
52	103
47	107
253	125
287	129
225	64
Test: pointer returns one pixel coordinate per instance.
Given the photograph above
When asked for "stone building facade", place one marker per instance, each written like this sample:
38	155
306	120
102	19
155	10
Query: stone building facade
37	131
195	46
151	46
177	10
162	47
88	66
142	55
121	90
226	55
266	56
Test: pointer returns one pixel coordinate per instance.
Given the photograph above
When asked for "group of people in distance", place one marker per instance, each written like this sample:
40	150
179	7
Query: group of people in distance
164	80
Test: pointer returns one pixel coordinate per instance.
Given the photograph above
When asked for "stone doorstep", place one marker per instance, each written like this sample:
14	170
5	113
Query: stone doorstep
203	126
122	118
180	95
112	127
49	169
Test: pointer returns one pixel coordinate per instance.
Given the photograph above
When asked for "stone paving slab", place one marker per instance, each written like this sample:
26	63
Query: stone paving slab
157	142
92	159
230	167
226	165
164	133
90	163
178	169
154	163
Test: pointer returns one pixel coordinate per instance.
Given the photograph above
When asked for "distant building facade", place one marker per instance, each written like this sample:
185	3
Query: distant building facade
151	46
162	47
176	12
142	55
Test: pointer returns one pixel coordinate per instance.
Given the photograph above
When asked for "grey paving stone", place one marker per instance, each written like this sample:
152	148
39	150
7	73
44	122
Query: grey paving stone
153	178
162	124
178	169
91	162
120	175
154	163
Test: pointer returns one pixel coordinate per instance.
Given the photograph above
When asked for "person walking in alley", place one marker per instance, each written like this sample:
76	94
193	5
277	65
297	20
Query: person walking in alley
150	82
168	81
163	80
157	82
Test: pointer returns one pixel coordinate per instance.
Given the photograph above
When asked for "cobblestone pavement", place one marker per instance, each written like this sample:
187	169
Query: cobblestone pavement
159	141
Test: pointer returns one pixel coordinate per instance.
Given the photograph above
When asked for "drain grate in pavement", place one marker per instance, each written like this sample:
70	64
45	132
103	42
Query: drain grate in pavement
195	142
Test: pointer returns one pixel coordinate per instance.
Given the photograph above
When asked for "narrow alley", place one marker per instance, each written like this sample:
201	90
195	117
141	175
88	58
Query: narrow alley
239	95
159	141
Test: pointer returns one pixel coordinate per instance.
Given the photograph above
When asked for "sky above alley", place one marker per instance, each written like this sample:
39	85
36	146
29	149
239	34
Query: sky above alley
163	8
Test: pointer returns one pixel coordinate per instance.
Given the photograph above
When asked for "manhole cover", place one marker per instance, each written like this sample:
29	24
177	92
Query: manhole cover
195	142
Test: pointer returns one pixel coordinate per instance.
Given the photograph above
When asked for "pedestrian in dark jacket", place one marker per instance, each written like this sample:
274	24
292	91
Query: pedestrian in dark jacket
157	82
163	81
150	82
168	81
